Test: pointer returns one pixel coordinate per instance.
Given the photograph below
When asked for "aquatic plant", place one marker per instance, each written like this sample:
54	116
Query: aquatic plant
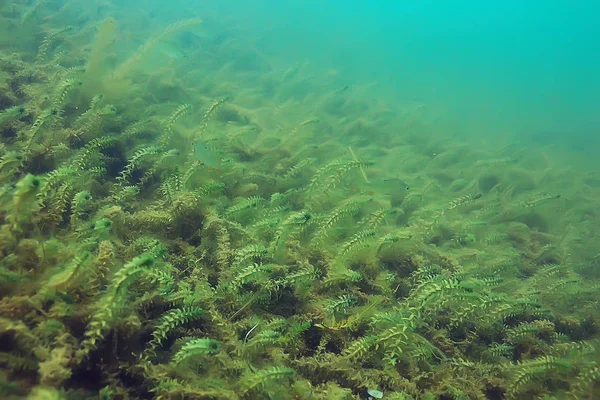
286	272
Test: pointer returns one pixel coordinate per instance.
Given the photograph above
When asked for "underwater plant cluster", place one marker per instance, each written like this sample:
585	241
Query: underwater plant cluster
196	222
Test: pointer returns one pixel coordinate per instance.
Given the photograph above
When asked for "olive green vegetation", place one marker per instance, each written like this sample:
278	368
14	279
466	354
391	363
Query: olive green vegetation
302	266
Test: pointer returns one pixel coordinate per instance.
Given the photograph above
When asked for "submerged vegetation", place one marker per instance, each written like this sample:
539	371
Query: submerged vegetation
199	224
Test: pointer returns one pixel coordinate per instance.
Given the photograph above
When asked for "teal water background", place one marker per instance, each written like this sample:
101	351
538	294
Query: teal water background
524	69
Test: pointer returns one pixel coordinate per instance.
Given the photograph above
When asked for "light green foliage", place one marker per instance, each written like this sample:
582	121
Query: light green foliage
397	334
341	275
292	224
332	174
357	240
341	304
102	228
135	160
171	320
10	114
171	232
111	303
539	368
135	62
66	277
80	206
63	90
252	273
261	378
249	254
90	122
88	156
585	381
25	201
249	204
9	163
343	211
196	347
50	42
178	113
361	347
45	119
296	169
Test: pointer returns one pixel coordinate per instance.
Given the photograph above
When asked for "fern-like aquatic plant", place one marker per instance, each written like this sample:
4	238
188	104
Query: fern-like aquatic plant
261	378
195	348
108	307
170	321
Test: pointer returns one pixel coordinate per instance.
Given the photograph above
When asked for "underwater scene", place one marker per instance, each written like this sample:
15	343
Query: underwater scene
299	200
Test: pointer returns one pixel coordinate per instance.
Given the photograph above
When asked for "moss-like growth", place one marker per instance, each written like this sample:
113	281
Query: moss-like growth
130	268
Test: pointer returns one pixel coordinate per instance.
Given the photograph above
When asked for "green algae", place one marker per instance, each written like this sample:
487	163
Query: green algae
129	271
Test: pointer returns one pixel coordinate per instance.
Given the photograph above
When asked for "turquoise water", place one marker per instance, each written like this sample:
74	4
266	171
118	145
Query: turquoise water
504	68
